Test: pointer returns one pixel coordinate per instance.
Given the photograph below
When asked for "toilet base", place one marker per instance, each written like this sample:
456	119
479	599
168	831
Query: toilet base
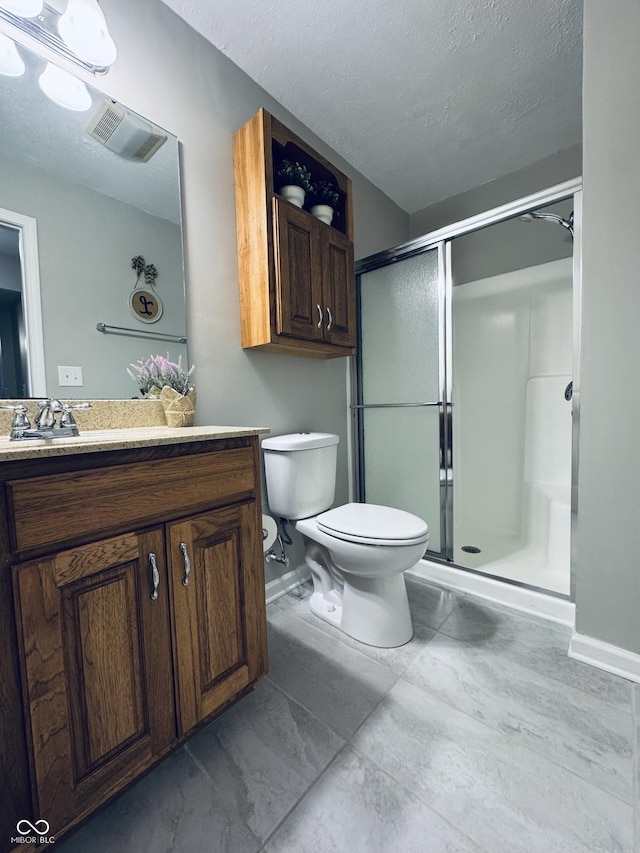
374	611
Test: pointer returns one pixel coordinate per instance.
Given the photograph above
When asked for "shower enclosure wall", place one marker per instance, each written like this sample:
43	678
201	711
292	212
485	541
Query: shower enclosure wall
461	394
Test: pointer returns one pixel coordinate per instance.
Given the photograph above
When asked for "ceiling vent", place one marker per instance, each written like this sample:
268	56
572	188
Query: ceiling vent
125	133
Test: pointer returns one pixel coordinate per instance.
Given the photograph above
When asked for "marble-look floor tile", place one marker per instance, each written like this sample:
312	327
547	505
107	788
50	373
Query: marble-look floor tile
581	732
267	749
396	659
356	807
506	797
430	605
339	685
175	809
539	644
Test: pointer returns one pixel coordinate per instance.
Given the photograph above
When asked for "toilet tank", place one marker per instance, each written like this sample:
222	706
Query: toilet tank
300	472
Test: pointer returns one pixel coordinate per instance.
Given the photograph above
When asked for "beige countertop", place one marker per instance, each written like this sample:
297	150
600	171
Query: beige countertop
92	441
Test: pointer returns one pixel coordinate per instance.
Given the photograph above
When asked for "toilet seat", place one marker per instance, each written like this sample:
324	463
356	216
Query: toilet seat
372	524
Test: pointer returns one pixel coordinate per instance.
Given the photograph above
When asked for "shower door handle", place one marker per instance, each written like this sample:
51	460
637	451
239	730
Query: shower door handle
394	405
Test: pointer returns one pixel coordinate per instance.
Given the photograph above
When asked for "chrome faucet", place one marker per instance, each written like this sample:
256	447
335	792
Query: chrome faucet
45	420
46	417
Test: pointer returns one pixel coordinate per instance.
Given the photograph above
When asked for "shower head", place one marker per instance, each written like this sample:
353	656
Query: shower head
549	217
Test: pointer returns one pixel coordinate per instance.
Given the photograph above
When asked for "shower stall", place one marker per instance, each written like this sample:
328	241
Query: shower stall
465	390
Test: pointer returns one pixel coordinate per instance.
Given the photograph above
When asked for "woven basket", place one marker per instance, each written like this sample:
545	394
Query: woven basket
179	409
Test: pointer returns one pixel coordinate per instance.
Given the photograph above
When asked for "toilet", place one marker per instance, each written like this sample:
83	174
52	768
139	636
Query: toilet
356	552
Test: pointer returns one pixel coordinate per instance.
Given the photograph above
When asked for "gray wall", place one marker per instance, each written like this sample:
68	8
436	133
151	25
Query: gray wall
511	245
608	580
554	169
170	74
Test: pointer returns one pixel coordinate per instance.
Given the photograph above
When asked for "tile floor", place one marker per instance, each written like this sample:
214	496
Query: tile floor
480	736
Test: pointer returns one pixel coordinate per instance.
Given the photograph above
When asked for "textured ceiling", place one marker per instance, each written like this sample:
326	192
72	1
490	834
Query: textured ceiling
427	98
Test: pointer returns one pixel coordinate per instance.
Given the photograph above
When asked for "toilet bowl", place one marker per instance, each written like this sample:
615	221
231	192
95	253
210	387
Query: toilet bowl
356	552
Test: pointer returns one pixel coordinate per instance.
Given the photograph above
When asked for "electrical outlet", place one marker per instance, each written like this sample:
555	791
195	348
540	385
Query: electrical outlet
69	376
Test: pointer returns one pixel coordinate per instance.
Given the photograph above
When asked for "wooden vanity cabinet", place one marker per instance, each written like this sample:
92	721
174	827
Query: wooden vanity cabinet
136	627
297	281
98	669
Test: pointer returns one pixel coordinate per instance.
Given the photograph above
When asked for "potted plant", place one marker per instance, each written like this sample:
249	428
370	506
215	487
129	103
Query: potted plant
293	180
159	378
325	200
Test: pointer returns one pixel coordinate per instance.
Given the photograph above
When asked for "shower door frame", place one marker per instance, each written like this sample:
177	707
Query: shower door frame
440	240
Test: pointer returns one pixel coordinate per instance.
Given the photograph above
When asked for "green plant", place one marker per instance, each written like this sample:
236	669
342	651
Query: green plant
325	192
292	172
153	373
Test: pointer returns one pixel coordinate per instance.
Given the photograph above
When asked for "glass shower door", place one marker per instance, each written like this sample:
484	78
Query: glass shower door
401	386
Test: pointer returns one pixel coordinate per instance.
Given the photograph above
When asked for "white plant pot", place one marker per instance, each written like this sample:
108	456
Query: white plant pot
323	212
293	194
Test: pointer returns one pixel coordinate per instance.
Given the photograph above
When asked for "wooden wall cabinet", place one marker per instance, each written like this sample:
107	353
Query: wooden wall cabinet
297	283
133	629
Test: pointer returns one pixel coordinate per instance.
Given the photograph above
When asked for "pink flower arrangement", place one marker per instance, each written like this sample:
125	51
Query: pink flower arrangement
153	373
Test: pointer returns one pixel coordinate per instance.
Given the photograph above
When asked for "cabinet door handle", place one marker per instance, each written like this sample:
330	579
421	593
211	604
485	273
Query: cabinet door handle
330	319
187	564
155	577
319	315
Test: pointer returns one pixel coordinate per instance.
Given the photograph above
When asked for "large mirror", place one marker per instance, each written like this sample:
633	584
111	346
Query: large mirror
82	193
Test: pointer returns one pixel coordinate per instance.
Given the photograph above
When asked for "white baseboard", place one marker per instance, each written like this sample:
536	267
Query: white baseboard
605	656
518	597
285	583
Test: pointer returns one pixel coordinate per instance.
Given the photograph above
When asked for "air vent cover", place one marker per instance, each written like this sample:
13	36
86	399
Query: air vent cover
125	133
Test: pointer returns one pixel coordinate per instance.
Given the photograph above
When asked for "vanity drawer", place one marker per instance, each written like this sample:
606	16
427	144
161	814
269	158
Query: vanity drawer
57	508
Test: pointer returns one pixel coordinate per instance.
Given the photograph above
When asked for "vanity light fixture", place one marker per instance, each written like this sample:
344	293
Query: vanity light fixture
84	30
11	63
24	8
76	29
64	89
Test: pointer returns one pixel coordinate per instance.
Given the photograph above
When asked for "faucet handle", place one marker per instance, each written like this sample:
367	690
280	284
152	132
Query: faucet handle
67	419
20	421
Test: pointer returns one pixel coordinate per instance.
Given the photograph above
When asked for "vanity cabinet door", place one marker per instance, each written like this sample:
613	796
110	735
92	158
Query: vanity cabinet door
339	288
315	279
299	298
95	628
215	567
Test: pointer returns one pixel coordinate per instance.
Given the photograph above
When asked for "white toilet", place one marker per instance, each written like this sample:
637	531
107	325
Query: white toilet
356	552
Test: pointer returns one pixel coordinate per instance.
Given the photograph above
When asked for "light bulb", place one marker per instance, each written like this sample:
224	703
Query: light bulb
24	8
64	89
84	30
11	64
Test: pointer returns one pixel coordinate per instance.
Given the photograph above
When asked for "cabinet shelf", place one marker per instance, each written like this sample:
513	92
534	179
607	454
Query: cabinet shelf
297	283
319	172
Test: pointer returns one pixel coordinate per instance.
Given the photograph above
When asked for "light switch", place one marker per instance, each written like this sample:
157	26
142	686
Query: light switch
69	376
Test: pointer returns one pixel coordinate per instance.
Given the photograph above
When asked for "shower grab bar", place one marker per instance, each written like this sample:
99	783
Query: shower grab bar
391	405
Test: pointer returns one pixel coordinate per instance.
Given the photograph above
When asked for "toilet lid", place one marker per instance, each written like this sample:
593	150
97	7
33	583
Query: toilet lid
373	524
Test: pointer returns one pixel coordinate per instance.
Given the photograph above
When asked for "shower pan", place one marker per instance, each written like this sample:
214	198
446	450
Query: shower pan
467	346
